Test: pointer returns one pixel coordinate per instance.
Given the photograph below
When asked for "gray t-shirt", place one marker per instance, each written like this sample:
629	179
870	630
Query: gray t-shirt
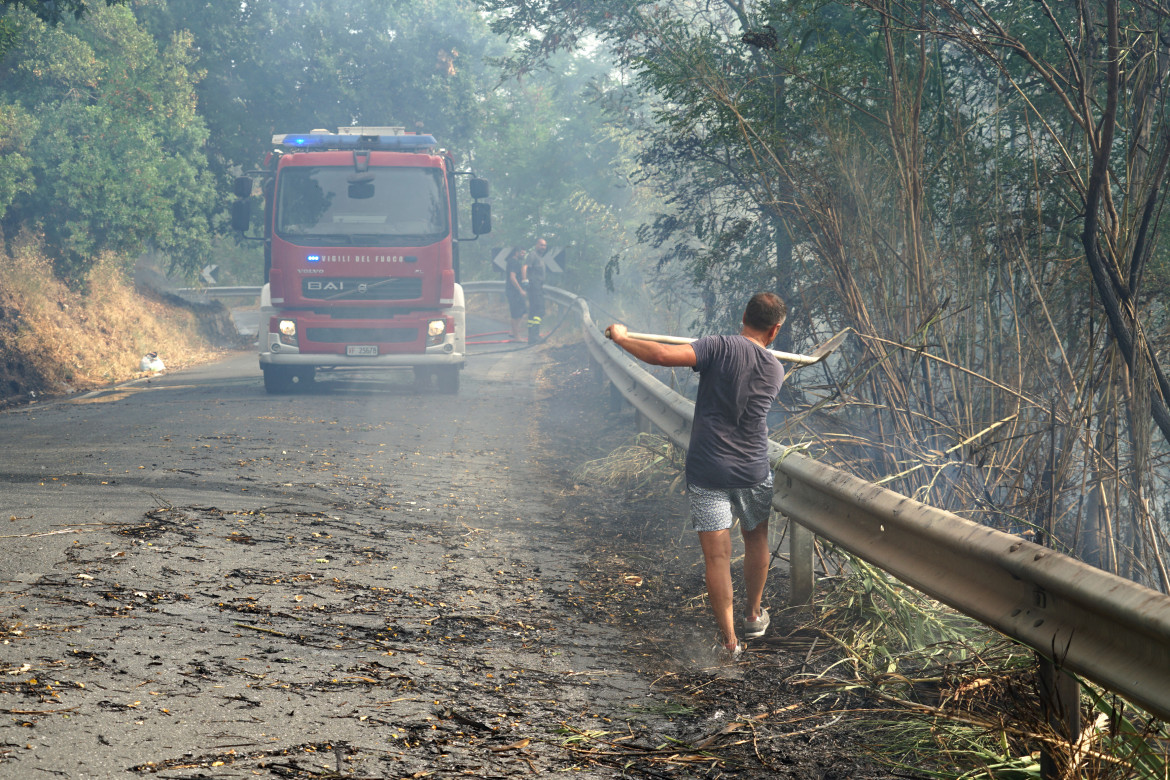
738	381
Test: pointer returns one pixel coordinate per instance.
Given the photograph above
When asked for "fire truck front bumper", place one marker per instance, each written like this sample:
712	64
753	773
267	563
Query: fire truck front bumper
309	339
434	356
446	353
378	361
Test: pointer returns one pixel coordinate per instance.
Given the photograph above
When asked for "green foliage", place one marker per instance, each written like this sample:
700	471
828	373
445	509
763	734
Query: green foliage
964	743
885	628
17	127
557	162
973	188
274	68
951	750
51	11
129	138
946	697
1141	742
293	67
724	130
116	161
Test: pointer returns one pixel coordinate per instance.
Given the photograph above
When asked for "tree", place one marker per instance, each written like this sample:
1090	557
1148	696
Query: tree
977	220
559	163
113	158
292	67
51	11
724	119
1091	78
424	66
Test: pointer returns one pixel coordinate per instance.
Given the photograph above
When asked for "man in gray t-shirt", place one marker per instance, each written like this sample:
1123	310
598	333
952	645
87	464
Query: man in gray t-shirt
728	474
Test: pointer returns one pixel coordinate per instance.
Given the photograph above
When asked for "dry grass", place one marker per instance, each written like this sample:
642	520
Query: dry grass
647	460
943	696
54	339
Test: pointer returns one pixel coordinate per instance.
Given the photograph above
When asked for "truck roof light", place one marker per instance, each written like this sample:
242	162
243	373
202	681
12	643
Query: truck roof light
381	141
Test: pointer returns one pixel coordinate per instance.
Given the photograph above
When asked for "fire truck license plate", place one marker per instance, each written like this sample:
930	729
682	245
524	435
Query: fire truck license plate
361	351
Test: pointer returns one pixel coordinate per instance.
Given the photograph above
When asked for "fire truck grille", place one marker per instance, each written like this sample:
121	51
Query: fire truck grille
362	335
389	288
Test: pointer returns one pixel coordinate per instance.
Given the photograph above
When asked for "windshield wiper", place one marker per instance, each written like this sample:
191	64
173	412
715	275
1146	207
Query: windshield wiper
317	239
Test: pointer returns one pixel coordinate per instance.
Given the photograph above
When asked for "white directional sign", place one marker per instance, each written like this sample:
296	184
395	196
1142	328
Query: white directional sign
501	259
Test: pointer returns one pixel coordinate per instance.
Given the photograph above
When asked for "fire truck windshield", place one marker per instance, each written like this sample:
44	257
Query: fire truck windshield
381	206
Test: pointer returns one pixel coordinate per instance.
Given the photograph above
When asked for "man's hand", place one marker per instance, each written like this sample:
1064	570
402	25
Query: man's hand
615	332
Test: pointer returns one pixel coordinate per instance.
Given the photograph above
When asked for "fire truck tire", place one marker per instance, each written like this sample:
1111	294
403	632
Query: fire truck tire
447	379
281	379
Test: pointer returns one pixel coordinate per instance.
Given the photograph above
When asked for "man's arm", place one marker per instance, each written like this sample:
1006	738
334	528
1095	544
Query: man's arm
671	355
514	281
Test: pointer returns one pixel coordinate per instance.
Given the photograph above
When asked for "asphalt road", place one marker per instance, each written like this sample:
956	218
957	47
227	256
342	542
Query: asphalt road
201	580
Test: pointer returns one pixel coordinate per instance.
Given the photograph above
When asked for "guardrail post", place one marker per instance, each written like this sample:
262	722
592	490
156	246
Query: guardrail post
1060	695
801	543
643	422
615	398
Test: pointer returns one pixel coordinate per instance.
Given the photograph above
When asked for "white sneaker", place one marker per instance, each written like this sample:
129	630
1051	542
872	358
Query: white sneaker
726	655
754	629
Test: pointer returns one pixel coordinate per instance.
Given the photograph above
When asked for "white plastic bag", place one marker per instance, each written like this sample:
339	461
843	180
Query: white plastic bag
151	362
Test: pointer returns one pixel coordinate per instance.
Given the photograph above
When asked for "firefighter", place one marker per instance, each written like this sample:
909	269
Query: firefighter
534	278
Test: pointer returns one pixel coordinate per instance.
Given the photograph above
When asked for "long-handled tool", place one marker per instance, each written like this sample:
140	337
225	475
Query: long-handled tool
818	354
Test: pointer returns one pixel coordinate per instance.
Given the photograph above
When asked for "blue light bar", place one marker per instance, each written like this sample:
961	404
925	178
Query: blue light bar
327	141
313	258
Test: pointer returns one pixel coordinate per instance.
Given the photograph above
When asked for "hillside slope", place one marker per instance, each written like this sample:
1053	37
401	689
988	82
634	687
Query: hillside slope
55	340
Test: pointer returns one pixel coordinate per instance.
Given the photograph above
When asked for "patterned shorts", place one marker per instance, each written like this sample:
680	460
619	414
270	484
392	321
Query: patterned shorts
714	510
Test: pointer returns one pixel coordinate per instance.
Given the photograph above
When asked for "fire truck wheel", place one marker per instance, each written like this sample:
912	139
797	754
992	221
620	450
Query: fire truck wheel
281	379
447	378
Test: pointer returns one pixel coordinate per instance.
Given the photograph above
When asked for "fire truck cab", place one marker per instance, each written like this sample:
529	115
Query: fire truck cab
361	232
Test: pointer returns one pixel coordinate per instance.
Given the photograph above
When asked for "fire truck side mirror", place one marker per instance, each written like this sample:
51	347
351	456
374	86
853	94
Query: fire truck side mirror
242	186
479	188
481	218
241	216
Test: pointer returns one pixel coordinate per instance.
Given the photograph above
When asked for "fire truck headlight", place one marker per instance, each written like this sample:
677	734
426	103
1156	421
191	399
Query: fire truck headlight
288	332
435	331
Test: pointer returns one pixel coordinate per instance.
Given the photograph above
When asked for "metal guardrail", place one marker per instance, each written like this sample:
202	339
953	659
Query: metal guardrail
669	411
1106	628
1089	621
218	292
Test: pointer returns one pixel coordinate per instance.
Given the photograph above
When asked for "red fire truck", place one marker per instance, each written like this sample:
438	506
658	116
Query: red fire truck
361	255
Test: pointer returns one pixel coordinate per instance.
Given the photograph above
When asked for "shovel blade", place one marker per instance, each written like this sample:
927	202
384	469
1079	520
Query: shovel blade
826	349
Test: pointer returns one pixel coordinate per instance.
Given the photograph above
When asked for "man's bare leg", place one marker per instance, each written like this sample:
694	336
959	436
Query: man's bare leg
756	557
717	559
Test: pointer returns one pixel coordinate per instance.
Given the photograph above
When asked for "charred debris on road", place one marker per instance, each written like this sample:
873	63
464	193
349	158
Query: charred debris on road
324	670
